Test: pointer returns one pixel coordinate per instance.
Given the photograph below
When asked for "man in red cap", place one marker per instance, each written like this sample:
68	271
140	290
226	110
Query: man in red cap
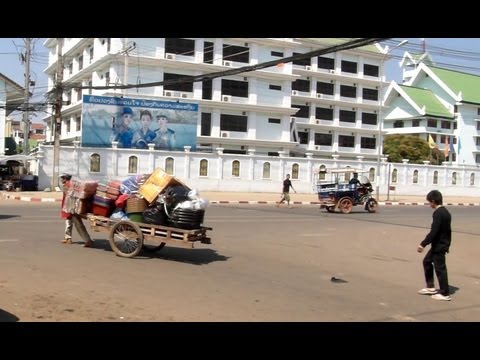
70	217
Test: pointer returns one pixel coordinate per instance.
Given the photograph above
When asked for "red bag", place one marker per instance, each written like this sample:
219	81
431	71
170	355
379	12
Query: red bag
121	201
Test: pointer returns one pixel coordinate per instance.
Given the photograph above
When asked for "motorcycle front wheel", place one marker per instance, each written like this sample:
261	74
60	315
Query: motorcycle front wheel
371	205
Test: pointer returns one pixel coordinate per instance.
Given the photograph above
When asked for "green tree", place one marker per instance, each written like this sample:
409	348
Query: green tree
436	157
417	150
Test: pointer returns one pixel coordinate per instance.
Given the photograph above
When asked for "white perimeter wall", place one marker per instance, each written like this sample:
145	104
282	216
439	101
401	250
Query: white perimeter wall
114	164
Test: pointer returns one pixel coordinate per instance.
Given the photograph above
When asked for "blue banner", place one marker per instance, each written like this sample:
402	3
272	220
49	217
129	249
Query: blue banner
135	123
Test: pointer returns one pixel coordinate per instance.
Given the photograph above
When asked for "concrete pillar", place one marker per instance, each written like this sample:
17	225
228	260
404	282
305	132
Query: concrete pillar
114	166
426	172
76	157
220	163
186	169
151	157
335	159
405	171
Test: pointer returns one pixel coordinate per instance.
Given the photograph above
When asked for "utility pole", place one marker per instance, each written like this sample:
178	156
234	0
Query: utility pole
125	68
26	120
125	51
380	114
57	115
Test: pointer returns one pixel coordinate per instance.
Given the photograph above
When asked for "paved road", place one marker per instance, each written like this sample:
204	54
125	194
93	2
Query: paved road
264	264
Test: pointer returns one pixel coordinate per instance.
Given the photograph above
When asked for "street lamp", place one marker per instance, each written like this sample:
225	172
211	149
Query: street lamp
380	113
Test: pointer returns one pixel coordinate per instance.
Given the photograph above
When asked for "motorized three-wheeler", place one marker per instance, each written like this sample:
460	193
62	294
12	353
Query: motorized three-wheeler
336	193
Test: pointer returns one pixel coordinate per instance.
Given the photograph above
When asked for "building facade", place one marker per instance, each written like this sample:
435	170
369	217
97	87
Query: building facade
323	105
441	106
253	127
11	96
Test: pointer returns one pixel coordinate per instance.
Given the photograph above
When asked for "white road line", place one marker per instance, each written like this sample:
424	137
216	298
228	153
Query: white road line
6	240
213	219
400	317
322	234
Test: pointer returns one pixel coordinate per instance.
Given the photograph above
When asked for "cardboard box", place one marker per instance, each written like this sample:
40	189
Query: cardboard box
156	183
84	189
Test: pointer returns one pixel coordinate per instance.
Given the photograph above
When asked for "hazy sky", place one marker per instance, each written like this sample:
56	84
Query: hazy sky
462	53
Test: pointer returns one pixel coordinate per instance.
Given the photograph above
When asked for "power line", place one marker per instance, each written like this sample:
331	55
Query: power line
189	79
440	56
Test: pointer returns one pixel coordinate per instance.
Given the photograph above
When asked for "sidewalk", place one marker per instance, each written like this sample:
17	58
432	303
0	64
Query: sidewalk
255	198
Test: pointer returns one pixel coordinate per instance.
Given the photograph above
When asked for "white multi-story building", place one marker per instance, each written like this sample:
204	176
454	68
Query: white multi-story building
323	105
253	127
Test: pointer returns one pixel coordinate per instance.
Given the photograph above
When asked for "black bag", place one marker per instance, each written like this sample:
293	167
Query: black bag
187	219
155	215
175	195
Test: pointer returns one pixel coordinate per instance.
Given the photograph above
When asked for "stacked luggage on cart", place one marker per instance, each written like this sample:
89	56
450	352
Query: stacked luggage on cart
171	202
80	196
156	198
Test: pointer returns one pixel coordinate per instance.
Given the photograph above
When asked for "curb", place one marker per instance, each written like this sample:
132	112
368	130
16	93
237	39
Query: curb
318	203
253	202
28	198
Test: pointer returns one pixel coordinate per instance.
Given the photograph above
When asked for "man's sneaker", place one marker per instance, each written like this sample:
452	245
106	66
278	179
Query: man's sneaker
441	297
427	291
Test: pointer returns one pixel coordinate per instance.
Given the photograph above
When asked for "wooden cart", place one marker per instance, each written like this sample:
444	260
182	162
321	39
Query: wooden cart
127	237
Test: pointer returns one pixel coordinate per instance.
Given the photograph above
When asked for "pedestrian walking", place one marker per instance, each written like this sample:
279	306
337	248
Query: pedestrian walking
71	217
287	184
439	239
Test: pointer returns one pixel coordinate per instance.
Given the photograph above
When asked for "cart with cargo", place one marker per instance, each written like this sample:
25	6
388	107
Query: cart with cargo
165	212
127	238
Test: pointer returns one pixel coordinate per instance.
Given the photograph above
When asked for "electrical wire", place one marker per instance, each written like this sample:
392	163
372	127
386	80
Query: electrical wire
189	79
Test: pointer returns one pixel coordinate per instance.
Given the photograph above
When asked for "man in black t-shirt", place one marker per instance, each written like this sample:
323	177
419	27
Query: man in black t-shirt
287	184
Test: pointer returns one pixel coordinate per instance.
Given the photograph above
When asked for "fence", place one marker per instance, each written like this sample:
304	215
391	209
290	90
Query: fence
218	171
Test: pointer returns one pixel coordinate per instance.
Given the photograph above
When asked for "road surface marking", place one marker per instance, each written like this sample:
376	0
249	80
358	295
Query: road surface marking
322	234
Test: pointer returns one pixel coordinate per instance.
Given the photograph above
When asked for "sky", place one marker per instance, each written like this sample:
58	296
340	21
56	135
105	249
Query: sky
462	54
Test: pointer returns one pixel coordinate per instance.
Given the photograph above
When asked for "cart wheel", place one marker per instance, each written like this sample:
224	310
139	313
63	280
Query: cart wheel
330	209
126	239
151	249
345	205
371	205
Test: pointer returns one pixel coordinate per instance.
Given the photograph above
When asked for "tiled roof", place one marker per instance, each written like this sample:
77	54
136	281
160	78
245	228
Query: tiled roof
37	126
458	81
425	97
